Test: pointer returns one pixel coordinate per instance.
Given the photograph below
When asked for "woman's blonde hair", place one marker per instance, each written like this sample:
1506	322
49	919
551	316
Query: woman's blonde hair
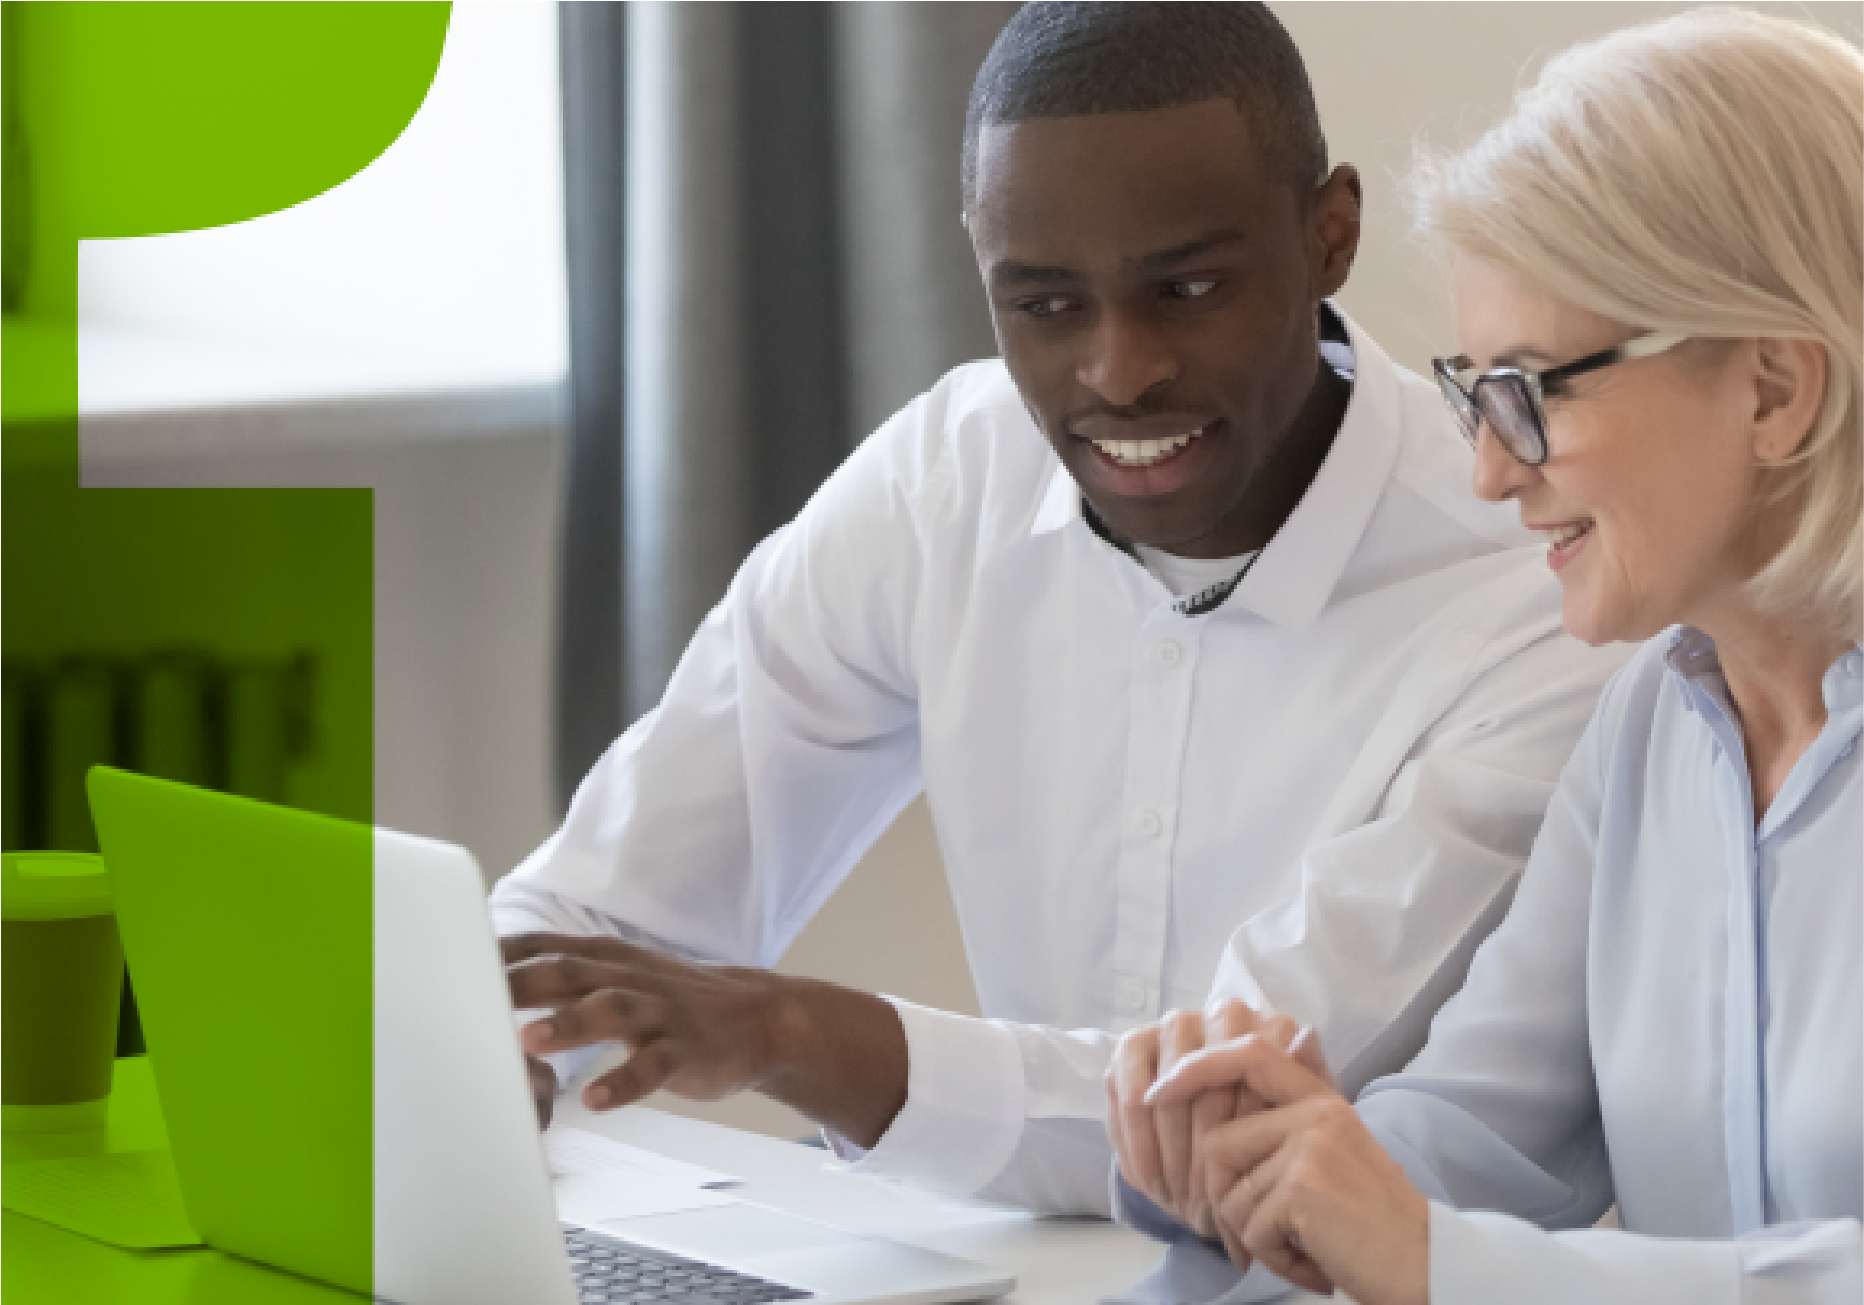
1703	174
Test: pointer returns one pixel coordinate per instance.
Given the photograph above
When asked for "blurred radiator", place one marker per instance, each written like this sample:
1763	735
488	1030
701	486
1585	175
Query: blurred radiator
233	725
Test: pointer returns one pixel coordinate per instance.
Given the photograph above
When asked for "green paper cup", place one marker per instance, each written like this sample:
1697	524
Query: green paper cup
61	984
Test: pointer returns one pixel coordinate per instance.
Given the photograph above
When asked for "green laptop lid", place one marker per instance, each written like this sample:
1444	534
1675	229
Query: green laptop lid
248	930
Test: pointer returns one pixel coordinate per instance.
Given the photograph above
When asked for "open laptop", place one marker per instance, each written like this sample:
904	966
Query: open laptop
247	930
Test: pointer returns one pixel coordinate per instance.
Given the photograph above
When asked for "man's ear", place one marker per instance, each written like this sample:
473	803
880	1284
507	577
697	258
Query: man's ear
1789	385
1333	229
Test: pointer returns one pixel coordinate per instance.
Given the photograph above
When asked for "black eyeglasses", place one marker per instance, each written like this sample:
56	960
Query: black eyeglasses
1509	399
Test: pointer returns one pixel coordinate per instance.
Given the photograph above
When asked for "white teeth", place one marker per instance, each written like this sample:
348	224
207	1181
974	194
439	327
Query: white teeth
1144	453
1555	536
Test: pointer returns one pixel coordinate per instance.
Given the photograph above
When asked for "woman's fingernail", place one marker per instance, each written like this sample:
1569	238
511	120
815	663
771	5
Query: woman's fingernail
596	1097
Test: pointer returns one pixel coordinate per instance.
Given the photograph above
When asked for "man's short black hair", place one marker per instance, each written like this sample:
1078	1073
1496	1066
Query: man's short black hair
1058	60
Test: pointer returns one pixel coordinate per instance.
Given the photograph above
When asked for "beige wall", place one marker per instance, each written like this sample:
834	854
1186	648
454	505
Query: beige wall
1391	76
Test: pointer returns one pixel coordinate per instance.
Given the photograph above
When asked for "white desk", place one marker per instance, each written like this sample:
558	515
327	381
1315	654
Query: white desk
1056	1261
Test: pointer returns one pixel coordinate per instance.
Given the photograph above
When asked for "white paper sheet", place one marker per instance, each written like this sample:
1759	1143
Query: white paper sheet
593	1199
577	1151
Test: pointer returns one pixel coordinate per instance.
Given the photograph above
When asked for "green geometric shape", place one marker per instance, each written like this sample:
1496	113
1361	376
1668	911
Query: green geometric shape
130	119
245	942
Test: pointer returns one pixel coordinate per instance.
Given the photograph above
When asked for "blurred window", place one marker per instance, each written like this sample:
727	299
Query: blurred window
439	267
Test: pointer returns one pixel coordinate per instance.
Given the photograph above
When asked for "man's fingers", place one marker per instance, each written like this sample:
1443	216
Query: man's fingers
523	946
556	978
1254	1062
519	947
610	1015
543	1088
646	1070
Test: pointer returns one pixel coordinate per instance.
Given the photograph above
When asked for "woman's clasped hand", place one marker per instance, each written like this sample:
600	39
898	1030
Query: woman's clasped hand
1231	1124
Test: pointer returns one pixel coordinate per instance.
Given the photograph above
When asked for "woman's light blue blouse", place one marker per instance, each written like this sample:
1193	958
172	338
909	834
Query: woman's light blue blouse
1670	1018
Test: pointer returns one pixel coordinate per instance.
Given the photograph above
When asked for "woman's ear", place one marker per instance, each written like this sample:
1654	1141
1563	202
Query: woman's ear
1789	386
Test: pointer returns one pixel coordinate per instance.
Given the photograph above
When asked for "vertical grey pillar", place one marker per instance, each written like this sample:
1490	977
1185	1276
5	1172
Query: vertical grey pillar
593	54
795	353
750	280
914	306
685	461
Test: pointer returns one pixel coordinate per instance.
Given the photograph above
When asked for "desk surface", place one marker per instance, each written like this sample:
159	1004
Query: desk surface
1055	1261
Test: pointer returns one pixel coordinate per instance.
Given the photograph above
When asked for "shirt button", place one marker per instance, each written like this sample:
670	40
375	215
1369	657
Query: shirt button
1147	824
1170	653
1131	994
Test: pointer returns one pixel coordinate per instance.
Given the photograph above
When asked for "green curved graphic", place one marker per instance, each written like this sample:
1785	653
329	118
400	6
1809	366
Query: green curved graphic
247	609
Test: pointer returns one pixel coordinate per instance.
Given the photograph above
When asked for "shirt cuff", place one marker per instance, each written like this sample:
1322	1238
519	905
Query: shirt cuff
1477	1258
1141	1213
964	1105
1194	1271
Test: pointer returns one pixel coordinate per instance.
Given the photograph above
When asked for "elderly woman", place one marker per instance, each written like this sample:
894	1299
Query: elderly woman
1658	279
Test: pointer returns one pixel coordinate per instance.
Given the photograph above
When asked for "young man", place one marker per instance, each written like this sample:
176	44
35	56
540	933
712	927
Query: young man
1182	615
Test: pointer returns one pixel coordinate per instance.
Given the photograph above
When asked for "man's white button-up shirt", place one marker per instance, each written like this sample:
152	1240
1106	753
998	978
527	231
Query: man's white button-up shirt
1328	784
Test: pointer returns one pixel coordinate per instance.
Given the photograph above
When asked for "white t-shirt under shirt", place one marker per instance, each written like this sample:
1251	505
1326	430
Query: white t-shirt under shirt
1189	576
1185	576
1328	782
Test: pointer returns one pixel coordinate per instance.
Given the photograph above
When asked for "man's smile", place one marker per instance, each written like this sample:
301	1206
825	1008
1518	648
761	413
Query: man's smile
1146	458
1145	450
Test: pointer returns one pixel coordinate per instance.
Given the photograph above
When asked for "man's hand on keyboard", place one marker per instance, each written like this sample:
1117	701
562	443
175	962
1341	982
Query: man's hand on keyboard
543	1088
706	1031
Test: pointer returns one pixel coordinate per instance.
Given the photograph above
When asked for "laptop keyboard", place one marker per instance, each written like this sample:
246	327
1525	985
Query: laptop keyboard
611	1272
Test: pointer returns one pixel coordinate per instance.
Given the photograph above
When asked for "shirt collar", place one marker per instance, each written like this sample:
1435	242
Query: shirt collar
1290	582
1061	502
1299	569
1691	654
1844	682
